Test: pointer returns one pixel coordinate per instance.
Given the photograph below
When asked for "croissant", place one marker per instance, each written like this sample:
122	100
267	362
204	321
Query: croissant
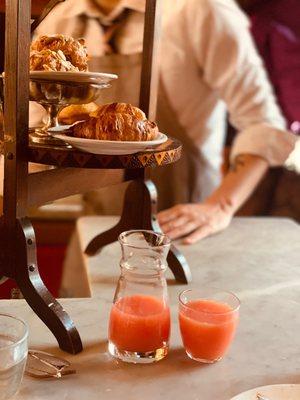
117	121
123	108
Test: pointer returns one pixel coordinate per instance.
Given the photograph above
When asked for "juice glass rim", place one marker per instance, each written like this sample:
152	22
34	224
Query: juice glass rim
24	335
134	246
236	308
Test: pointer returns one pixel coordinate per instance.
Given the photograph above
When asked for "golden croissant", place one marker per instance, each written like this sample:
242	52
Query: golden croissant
116	121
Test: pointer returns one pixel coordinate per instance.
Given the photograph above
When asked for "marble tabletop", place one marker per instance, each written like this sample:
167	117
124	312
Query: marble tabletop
258	259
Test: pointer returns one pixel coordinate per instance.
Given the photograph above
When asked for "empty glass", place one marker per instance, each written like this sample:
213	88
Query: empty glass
13	354
208	319
139	327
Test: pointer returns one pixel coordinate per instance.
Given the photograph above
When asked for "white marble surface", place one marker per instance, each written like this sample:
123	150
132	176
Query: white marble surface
248	244
258	259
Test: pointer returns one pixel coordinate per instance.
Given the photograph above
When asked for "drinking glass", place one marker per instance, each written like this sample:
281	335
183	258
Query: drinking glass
13	354
208	319
139	326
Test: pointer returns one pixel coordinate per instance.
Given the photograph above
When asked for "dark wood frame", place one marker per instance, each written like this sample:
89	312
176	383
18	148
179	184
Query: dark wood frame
21	189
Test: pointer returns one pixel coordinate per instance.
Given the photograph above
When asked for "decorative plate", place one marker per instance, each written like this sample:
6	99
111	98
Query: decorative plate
272	392
109	147
80	77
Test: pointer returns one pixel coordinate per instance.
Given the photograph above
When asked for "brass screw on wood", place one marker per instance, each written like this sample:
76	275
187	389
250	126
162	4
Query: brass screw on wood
15	293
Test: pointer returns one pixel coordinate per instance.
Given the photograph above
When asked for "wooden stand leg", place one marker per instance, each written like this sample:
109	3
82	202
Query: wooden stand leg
179	266
26	275
139	212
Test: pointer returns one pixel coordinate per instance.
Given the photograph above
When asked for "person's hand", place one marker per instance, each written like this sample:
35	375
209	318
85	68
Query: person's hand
194	221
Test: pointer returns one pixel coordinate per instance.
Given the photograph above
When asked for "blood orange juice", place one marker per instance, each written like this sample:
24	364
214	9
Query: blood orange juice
139	324
207	325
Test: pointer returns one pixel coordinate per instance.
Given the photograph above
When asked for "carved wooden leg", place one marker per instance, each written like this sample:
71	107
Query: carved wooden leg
179	266
136	214
139	212
24	271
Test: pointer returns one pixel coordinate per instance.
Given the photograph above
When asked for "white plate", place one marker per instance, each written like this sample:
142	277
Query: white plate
272	392
61	128
82	77
110	147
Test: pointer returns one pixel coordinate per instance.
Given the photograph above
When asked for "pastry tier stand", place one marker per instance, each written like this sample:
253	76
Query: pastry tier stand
140	204
167	153
73	172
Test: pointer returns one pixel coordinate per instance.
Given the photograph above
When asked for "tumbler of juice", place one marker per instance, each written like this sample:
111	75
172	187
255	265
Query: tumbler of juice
208	319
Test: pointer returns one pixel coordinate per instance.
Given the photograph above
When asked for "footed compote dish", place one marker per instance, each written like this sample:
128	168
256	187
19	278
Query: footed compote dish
56	90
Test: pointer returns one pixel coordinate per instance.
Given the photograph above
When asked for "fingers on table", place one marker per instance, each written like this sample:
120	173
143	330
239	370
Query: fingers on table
174	223
198	234
182	230
169	215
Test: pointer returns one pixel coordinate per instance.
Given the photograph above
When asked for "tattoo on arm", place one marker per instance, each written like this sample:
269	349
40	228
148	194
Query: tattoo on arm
239	162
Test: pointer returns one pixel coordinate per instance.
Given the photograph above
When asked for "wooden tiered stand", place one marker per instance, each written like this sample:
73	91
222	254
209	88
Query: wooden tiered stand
75	172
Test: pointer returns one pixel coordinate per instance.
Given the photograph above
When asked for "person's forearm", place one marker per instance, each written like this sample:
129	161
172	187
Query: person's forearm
240	182
197	221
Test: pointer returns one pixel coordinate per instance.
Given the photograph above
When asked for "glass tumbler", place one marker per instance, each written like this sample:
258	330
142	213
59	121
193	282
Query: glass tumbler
139	326
208	319
13	354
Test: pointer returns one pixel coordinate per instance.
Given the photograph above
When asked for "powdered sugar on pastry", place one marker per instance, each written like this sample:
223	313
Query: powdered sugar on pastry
48	60
68	49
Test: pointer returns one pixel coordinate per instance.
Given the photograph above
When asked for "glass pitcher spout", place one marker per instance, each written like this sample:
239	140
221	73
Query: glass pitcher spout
144	252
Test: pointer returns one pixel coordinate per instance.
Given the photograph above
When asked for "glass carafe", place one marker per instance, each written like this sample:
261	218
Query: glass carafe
139	326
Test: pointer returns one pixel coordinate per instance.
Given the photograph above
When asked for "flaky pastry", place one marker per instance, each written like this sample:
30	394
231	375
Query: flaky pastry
117	121
123	108
74	50
48	60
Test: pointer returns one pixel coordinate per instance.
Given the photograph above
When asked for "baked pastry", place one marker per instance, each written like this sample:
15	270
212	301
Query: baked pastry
122	108
74	50
117	121
77	112
48	60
